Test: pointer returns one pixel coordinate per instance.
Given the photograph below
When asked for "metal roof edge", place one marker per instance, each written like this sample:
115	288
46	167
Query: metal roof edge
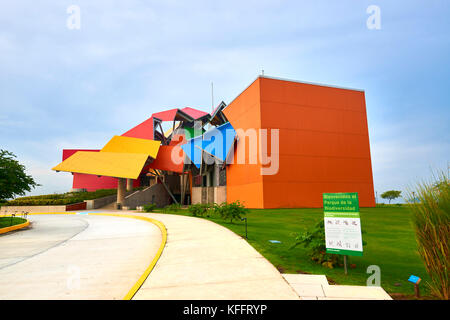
296	81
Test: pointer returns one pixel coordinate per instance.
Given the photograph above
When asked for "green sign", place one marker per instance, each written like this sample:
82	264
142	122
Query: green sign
342	224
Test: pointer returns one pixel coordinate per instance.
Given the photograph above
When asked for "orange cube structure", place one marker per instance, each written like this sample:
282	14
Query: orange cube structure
323	144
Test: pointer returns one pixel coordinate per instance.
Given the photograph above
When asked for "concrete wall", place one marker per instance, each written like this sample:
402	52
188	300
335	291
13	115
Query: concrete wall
196	196
100	202
209	194
156	194
61	208
220	194
19	209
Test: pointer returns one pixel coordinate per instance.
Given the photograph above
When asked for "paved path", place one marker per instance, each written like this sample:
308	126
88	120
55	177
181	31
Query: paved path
316	287
203	260
76	257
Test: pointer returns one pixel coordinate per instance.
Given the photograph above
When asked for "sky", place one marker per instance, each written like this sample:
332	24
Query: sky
75	88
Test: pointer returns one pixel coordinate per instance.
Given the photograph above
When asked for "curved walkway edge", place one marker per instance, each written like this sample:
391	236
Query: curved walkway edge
149	269
154	258
15	227
205	261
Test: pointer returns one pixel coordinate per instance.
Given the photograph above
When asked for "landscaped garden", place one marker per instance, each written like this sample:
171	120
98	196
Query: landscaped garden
389	234
10	221
59	199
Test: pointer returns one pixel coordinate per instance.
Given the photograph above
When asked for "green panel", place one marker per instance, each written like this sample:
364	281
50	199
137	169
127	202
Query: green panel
345	252
340	202
189	133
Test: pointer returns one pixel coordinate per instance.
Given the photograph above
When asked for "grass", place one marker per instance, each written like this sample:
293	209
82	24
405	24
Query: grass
390	240
8	221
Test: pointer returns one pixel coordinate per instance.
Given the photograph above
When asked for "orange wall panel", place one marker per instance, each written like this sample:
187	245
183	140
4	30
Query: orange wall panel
323	147
244	181
324	143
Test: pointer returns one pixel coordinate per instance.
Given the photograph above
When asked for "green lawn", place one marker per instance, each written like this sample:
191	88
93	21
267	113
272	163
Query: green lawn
7	221
389	235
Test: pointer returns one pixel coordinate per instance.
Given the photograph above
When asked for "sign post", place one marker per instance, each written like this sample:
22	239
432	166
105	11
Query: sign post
415	280
342	225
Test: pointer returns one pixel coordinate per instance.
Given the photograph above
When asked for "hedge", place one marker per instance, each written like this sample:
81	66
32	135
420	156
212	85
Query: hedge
60	199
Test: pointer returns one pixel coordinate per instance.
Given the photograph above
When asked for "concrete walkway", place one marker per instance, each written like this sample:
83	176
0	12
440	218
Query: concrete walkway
203	260
102	257
76	257
316	287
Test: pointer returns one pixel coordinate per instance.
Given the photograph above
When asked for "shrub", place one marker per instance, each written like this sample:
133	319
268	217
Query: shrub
314	239
431	220
232	211
199	209
174	207
217	209
149	207
60	199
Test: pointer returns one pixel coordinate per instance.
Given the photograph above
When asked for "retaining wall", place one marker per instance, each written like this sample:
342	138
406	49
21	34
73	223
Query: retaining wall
156	194
61	208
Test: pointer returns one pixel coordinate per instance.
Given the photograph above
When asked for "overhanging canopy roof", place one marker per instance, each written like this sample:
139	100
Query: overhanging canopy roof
121	144
111	164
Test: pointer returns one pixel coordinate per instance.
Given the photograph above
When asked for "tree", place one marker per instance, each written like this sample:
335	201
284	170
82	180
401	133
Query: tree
13	179
391	195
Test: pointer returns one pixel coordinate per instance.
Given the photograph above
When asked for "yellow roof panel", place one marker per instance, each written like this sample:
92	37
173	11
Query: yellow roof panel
112	164
120	144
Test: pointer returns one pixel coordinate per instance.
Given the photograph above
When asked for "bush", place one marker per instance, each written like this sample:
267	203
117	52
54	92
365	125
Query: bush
60	199
217	209
232	211
149	207
199	209
431	220
314	239
174	207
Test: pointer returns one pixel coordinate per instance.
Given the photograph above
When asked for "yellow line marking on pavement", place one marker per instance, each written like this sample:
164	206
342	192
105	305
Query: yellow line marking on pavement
152	264
14	227
149	269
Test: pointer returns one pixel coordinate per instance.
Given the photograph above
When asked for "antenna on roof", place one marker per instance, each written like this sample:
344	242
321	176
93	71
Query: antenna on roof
212	96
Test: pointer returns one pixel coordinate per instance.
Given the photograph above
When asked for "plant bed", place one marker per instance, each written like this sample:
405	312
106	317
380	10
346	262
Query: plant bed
11	221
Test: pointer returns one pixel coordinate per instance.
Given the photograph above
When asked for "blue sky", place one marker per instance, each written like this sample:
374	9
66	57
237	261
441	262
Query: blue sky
62	88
